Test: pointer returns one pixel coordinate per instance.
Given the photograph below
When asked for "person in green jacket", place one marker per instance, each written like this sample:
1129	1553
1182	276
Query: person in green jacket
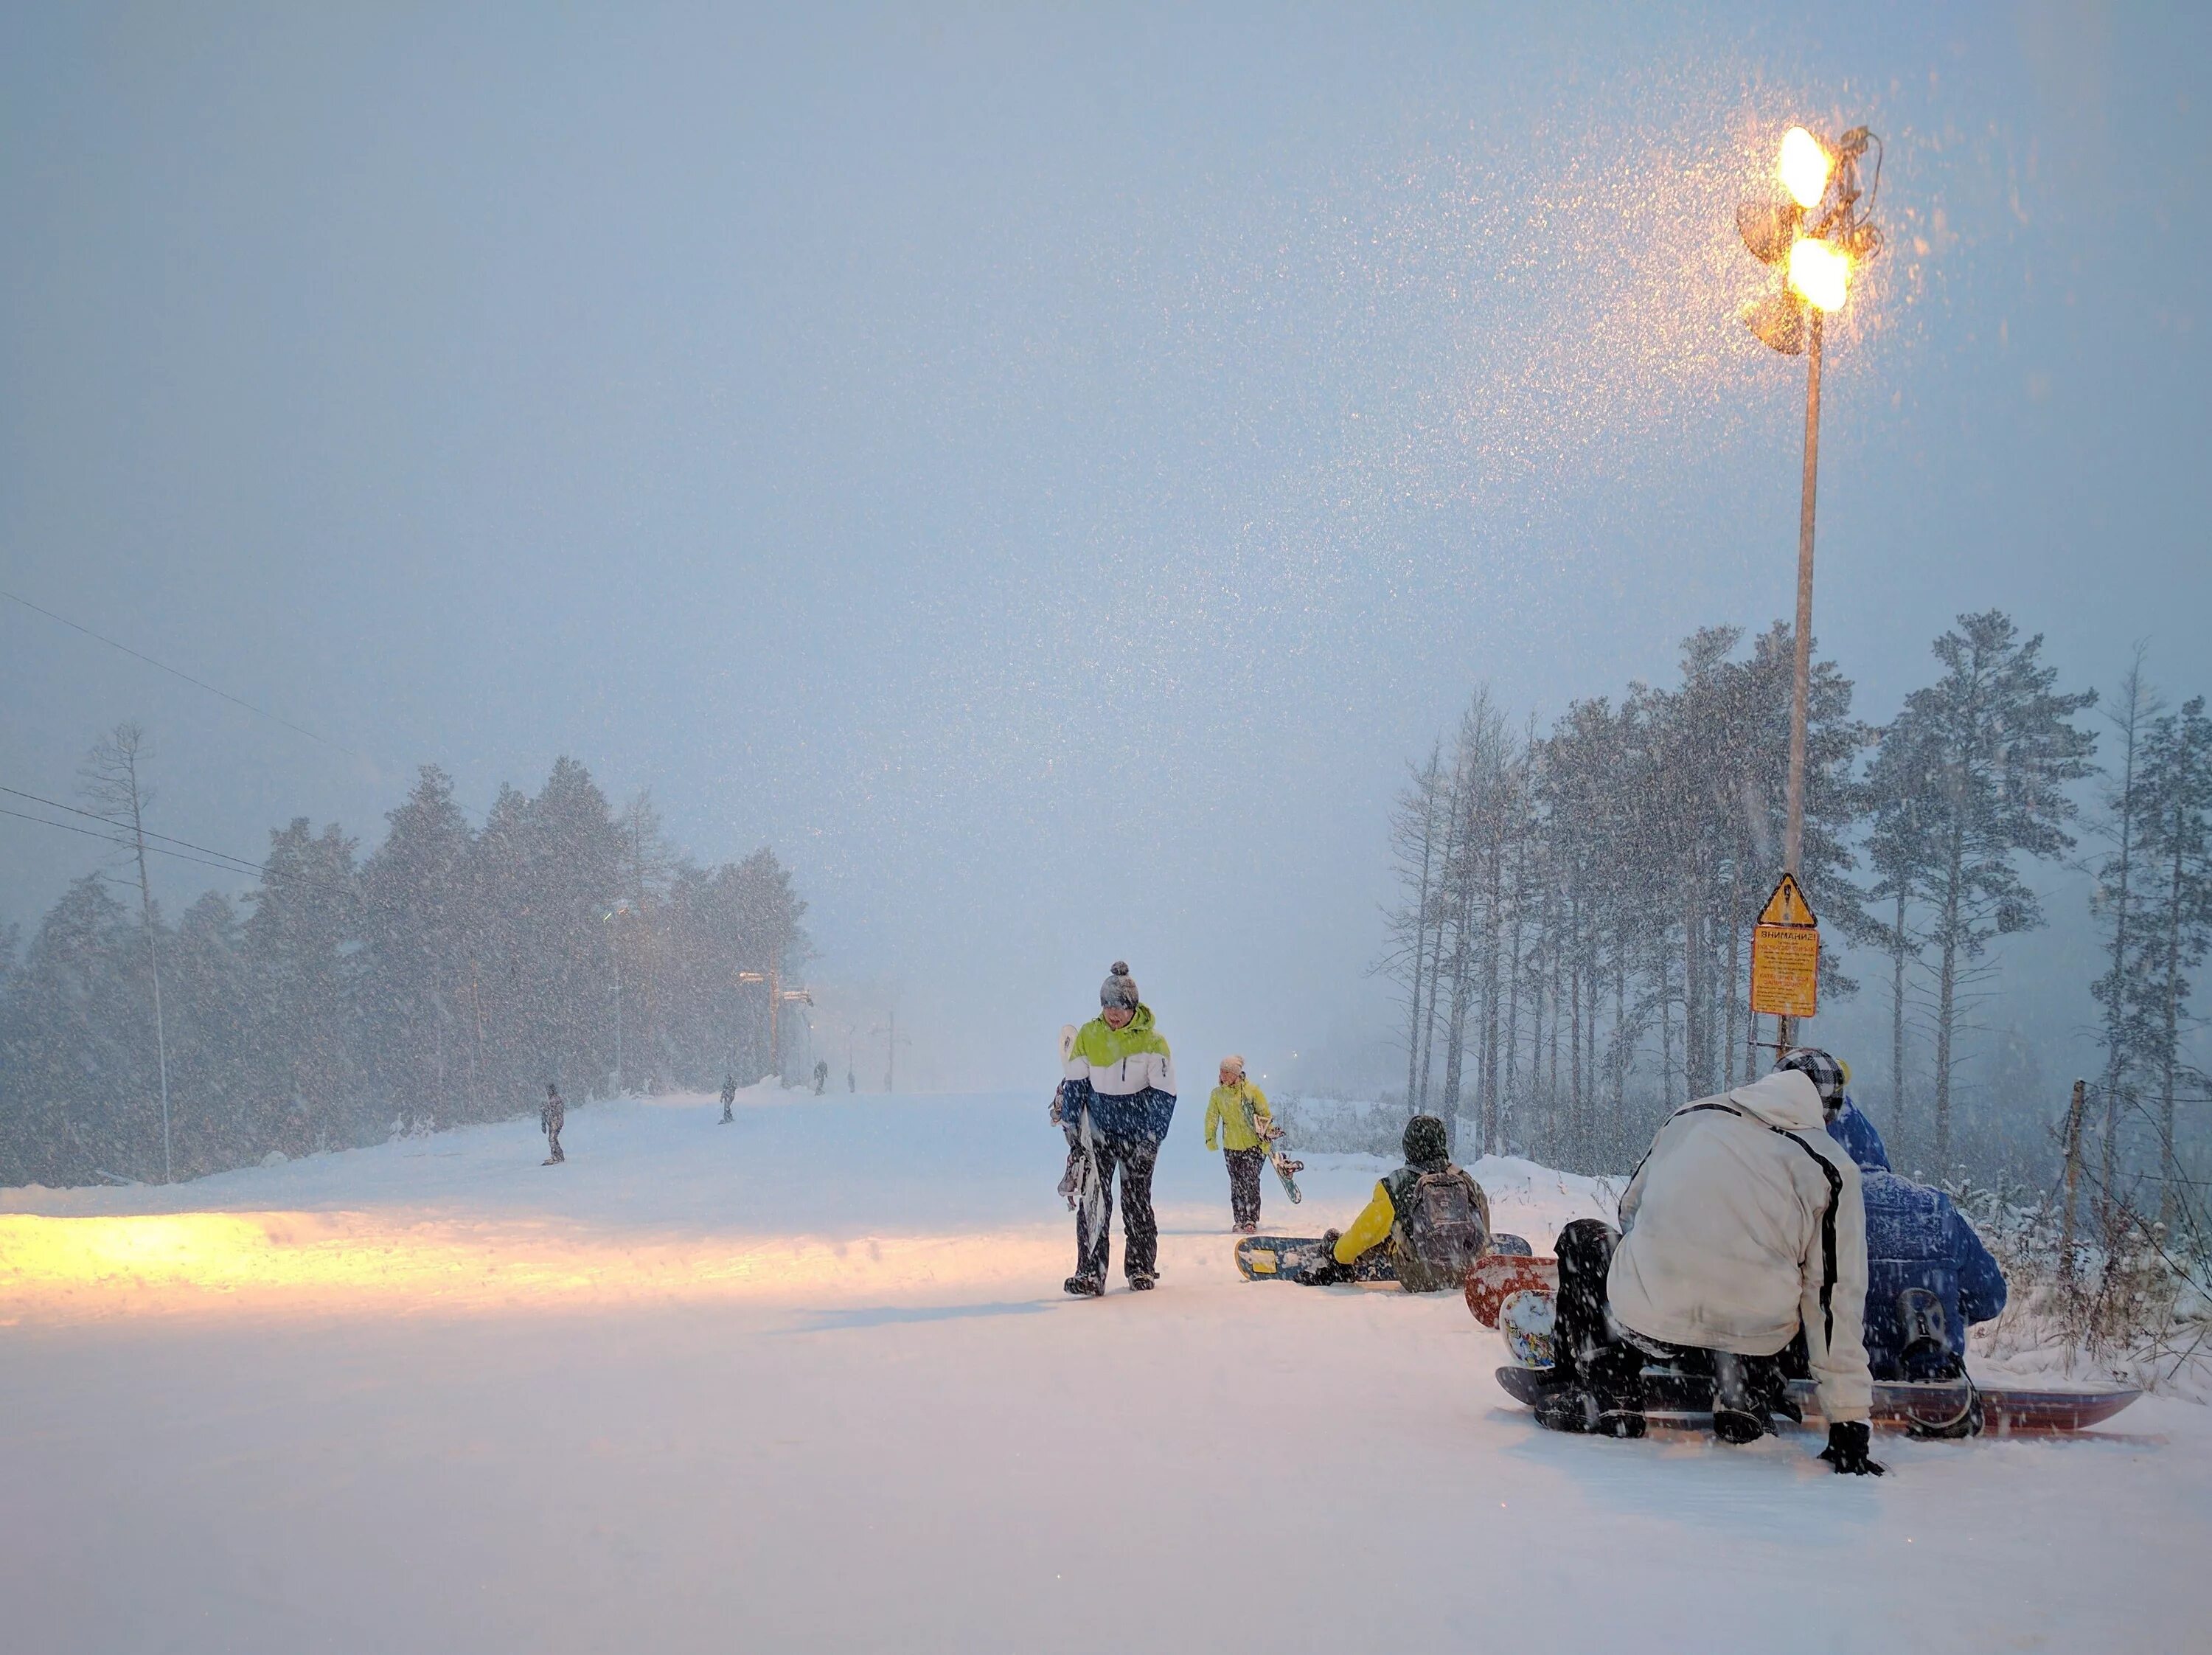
1115	1102
1239	1115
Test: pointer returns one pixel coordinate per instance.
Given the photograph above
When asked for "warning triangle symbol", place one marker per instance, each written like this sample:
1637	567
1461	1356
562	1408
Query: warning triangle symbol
1787	906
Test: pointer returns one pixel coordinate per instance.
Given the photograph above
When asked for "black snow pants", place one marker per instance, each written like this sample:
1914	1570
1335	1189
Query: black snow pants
1141	1231
1593	1350
1244	1166
554	1122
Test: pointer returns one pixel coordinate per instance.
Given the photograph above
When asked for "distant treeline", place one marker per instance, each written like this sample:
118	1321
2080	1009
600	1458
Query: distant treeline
445	978
1572	945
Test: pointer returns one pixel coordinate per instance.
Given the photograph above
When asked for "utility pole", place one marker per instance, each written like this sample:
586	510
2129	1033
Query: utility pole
111	782
2074	1113
889	1030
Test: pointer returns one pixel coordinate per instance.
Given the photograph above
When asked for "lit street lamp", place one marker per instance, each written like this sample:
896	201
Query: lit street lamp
1819	236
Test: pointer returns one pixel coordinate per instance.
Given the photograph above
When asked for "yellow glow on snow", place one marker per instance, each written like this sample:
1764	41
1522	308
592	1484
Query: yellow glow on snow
1821	272
69	1268
1806	164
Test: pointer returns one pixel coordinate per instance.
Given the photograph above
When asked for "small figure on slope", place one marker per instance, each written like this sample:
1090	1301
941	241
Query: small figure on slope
1432	1216
729	1097
550	1118
1238	1115
820	1075
1744	1226
1116	1100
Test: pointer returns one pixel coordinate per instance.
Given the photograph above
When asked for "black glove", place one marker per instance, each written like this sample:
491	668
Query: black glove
1849	1449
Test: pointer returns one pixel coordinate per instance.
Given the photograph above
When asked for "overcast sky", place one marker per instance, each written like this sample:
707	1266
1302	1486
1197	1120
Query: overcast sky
1044	473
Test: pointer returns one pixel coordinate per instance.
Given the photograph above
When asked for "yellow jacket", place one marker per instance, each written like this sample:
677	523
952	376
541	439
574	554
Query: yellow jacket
1235	1110
1371	1229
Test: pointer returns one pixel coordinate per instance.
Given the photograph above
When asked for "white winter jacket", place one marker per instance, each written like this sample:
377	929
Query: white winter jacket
1744	1222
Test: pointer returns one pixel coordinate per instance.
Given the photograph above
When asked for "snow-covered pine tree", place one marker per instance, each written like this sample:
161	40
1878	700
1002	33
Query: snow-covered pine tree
2174	928
1995	750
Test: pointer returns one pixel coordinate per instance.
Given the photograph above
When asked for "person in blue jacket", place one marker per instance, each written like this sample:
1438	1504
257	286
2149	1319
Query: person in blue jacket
1849	1126
1929	1276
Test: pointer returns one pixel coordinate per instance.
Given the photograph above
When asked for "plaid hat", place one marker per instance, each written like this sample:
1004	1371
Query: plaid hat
1826	1073
1120	989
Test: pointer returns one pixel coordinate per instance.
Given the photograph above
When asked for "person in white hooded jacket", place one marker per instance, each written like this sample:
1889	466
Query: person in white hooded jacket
1742	1229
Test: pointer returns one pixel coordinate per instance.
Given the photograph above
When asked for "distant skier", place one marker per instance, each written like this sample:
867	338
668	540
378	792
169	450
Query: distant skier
1743	1228
1432	1216
729	1097
1117	1101
1238	1115
820	1075
551	1118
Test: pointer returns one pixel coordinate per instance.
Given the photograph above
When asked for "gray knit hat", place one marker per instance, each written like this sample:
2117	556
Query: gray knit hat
1120	989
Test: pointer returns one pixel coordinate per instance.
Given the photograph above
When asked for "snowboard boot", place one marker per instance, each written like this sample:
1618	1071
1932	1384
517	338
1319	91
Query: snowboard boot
1740	1405
1084	1287
1143	1281
1580	1412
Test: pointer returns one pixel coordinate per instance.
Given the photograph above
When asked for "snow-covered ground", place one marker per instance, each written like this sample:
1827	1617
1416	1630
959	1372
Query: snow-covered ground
808	1382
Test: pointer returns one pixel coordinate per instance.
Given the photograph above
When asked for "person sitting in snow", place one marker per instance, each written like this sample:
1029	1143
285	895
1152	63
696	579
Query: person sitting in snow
1744	1226
1115	1101
1433	1217
1929	1276
1237	1113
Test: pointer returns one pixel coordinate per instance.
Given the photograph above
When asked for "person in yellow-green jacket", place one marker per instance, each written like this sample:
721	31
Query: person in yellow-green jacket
1432	1215
1115	1102
1238	1115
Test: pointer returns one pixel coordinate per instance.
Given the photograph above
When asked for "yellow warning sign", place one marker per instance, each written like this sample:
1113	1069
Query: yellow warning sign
1787	906
1785	955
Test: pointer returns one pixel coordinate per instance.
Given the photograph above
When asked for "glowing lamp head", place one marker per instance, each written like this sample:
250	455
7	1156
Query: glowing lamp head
1806	164
1822	273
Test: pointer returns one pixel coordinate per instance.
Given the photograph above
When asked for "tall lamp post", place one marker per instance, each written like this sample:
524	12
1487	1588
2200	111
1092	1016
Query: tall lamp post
1817	237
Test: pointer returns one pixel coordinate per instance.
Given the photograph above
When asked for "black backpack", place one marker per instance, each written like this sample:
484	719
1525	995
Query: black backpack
1443	1227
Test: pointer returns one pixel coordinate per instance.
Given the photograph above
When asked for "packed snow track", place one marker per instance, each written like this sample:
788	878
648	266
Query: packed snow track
808	1382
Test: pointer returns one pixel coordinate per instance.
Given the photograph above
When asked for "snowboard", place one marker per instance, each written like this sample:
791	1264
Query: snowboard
1527	1320
1672	1397
1287	1258
1285	1169
1284	1259
1499	1273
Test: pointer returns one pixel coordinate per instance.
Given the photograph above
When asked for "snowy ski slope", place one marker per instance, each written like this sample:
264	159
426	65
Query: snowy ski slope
808	1382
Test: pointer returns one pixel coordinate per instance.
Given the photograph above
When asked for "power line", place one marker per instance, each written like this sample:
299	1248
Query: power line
71	827
56	804
201	683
